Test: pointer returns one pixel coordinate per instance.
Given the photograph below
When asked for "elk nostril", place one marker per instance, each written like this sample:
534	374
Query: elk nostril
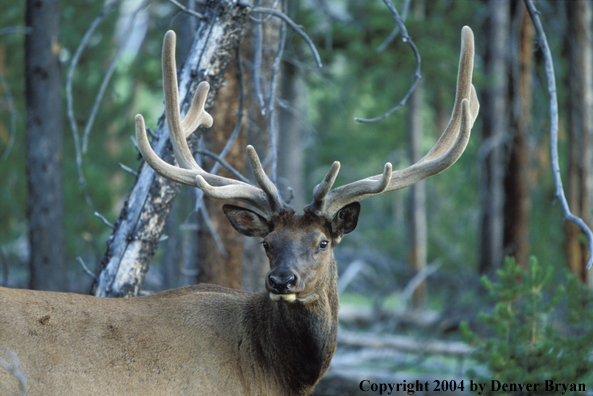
282	284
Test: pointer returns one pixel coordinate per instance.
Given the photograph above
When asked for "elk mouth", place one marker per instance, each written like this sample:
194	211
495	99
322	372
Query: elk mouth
288	297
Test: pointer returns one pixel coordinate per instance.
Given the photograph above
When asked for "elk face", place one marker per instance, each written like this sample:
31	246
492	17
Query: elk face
299	248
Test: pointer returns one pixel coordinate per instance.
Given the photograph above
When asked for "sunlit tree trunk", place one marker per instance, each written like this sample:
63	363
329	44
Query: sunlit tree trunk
580	125
517	183
45	207
494	112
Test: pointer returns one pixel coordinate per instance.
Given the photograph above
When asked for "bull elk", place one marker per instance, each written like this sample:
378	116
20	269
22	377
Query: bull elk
205	339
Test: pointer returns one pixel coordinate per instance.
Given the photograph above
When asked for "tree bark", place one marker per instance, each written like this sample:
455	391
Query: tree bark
220	262
417	197
134	241
494	109
580	125
292	152
44	124
517	182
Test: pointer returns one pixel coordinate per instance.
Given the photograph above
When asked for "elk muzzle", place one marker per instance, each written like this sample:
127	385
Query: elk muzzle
281	284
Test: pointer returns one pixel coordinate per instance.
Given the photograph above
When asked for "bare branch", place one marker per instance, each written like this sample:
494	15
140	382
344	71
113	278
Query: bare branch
257	66
107	78
396	30
406	39
224	163
418	279
126	168
13	115
187	10
294	26
15	30
85	268
237	129
220	158
550	77
104	220
135	143
212	229
69	99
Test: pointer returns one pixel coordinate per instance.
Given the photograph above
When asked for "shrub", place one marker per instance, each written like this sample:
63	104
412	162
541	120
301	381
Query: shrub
535	336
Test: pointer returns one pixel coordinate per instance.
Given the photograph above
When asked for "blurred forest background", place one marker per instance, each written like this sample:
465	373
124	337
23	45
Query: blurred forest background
417	255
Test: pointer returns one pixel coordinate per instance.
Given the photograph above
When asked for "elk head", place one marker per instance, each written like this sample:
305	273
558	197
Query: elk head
299	247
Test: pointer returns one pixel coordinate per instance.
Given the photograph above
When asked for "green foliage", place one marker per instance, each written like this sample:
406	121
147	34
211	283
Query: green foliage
535	335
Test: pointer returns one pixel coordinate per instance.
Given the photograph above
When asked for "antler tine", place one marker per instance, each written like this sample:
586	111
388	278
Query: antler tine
174	173
176	131
369	185
465	89
445	152
320	191
196	114
276	202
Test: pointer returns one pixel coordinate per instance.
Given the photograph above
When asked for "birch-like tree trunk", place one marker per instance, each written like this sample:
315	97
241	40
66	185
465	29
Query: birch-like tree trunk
44	124
139	227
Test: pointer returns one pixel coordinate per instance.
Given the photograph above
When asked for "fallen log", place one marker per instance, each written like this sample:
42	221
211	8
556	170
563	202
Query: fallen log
403	344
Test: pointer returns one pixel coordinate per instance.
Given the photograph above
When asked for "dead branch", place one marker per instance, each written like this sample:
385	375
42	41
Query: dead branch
550	77
408	40
294	26
70	101
403	344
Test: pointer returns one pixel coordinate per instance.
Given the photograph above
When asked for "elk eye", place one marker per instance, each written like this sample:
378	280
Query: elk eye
323	244
266	245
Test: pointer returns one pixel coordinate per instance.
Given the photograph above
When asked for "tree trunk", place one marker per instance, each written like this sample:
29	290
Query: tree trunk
220	262
291	158
134	241
255	265
517	181
494	110
580	125
44	124
417	197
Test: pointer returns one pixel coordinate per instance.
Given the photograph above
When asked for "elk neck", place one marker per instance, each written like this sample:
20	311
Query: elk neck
293	341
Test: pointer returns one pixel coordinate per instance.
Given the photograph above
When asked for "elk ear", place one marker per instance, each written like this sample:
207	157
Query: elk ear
345	220
246	221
